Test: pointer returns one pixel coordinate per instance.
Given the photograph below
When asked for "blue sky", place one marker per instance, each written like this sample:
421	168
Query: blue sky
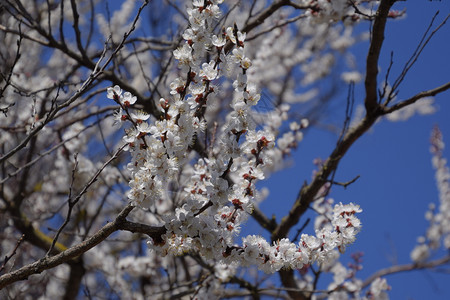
393	159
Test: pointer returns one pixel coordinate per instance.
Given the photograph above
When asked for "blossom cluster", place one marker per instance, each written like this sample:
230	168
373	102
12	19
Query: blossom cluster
346	285
320	248
439	217
220	191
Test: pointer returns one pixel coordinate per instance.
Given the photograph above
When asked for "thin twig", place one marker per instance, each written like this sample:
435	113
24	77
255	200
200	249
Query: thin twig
413	99
345	184
415	56
407	267
73	201
42	155
8	257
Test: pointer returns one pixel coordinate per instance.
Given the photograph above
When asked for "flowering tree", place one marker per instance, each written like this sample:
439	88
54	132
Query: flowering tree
132	156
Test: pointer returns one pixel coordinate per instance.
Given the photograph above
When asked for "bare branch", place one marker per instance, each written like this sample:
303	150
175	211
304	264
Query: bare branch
73	201
415	56
47	262
71	205
259	19
8	257
281	24
345	184
263	220
417	97
359	12
76	28
408	267
7	78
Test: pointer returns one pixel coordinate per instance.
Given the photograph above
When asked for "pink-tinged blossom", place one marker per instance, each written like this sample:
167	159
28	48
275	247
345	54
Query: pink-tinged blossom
177	86
438	232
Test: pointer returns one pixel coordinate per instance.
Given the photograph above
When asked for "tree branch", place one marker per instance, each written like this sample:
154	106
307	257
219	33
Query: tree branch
407	267
46	262
8	257
260	19
413	99
373	55
263	220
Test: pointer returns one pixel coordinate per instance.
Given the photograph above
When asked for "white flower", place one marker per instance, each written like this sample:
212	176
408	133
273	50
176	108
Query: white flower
378	289
197	88
183	55
420	253
351	77
238	55
143	127
177	86
114	92
128	99
246	63
241	36
294	126
189	35
240	83
131	136
119	117
139	116
230	35
304	123
196	19
208	71
218	41
251	94
198	3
